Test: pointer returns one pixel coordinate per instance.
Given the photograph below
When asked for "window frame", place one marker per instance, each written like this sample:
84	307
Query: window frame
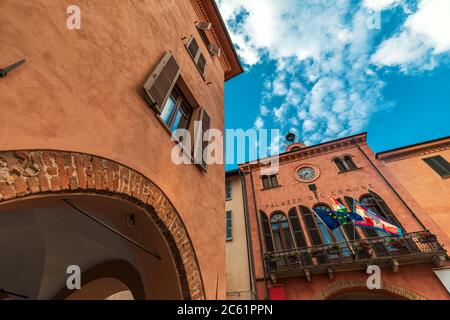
229	228
228	187
197	56
267	181
177	107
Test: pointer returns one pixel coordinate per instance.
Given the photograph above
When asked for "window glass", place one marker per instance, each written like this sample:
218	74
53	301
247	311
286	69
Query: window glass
168	109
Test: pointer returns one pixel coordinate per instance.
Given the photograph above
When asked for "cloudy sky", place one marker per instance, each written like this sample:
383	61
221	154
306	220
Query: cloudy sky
327	69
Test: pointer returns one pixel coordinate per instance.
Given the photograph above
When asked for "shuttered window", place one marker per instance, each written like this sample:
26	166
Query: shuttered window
160	83
229	225
202	139
176	112
439	165
228	190
197	55
296	228
340	165
269	181
349	163
266	232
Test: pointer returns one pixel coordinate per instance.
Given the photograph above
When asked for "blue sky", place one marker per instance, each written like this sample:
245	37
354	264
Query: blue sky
327	69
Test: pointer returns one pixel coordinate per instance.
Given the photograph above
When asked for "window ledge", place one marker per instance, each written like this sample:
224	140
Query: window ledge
342	172
228	199
270	188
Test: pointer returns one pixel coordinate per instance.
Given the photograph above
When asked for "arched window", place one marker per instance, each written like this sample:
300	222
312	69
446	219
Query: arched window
340	165
281	232
348	161
266	232
377	204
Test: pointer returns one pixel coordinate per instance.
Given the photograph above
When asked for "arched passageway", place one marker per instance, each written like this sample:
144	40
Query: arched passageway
60	208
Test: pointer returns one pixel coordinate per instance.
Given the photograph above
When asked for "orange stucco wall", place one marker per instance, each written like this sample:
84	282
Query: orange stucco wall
80	91
429	190
357	183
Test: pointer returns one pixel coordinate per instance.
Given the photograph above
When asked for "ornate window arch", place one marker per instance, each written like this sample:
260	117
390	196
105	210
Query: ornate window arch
281	231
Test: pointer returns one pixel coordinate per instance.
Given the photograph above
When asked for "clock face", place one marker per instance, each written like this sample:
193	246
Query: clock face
307	173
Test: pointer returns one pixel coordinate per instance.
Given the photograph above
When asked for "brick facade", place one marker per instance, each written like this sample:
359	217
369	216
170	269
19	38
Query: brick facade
34	173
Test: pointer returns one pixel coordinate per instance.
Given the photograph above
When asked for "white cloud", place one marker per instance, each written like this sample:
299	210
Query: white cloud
259	123
264	111
424	36
325	81
380	4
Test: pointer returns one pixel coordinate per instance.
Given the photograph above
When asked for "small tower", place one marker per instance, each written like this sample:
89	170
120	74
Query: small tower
291	144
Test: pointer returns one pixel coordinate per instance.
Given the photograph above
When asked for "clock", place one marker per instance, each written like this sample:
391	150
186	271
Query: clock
307	173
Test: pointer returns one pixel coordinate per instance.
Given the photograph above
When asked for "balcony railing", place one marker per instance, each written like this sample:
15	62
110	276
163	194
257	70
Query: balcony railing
241	295
354	255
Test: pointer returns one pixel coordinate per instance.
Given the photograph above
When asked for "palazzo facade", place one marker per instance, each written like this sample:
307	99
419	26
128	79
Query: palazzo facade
295	255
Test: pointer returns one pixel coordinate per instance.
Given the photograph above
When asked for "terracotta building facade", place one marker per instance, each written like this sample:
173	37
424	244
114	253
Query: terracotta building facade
87	184
297	257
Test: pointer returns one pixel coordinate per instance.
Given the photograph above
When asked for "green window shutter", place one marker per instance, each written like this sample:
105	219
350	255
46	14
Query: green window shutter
160	83
229	225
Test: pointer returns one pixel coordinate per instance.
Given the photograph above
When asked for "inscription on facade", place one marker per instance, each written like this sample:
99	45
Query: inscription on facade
321	195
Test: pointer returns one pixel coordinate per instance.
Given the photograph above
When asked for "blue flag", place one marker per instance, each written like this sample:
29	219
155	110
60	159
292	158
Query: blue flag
333	219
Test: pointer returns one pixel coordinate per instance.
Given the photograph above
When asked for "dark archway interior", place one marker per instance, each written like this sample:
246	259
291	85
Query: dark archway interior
41	237
366	295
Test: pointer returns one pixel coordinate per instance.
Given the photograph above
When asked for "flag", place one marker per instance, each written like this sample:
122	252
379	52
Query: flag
333	219
373	220
339	207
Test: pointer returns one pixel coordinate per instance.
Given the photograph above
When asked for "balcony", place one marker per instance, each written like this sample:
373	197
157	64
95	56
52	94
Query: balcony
241	295
416	247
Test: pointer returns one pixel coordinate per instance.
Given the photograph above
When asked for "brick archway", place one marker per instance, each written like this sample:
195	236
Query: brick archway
33	173
346	285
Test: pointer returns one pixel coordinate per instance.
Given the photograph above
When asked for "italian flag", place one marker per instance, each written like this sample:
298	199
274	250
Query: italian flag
337	206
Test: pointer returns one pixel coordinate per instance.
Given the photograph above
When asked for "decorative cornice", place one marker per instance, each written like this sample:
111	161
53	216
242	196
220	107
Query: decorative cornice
420	151
308	152
217	36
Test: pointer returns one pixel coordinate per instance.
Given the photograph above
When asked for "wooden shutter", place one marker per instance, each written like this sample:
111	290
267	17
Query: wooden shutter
158	86
340	165
439	165
311	225
201	139
297	229
273	181
266	232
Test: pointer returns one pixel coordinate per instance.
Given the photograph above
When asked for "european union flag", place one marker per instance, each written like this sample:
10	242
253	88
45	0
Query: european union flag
333	219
